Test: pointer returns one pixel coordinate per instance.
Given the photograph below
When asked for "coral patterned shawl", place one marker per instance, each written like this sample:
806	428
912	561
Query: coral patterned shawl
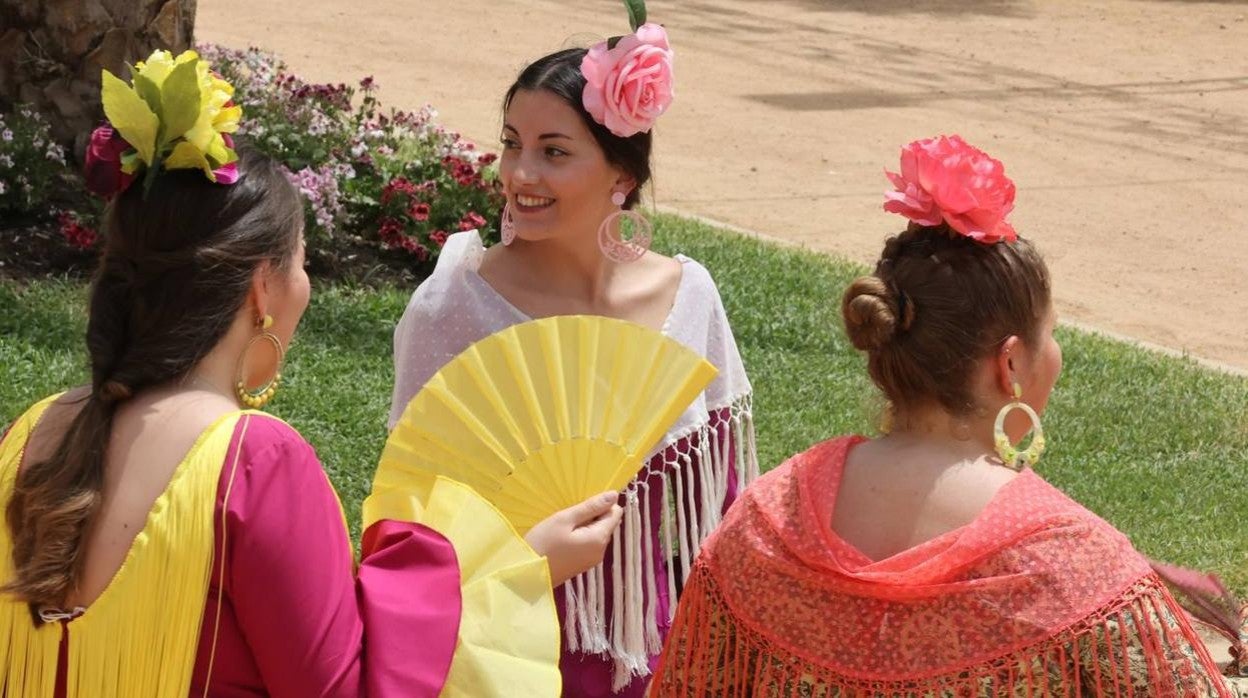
1037	596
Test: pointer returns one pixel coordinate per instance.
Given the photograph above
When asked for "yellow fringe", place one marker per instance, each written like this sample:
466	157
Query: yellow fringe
141	636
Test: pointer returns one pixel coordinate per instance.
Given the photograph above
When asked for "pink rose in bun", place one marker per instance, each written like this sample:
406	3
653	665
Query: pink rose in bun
945	179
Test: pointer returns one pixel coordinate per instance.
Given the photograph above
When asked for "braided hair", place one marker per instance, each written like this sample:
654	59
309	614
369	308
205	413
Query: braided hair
176	268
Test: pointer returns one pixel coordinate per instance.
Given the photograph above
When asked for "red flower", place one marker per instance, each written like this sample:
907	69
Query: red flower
102	172
391	233
946	179
419	251
439	237
487	159
472	221
398	185
76	234
419	212
465	174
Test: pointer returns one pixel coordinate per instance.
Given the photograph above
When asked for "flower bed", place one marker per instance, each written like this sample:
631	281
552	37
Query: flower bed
383	188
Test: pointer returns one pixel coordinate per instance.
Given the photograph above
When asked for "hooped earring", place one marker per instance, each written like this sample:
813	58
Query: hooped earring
1009	454
615	243
507	227
255	398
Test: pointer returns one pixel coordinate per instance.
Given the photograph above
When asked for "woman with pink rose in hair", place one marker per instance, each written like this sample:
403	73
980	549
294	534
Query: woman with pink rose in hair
931	560
162	537
576	141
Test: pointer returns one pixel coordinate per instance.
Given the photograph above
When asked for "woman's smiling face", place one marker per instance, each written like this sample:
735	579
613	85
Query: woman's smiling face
556	177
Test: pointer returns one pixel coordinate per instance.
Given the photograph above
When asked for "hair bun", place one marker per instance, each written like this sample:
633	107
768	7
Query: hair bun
871	313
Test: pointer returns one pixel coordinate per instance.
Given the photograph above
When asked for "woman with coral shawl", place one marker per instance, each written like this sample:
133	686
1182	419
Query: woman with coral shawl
933	561
576	153
162	537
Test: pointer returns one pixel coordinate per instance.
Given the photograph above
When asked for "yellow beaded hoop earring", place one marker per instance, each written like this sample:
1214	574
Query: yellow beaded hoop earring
1010	455
255	398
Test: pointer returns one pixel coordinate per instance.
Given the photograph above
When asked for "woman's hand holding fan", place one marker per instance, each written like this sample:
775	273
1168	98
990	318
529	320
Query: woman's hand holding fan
575	539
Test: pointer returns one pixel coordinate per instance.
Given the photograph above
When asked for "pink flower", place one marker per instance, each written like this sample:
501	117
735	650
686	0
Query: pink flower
946	179
102	171
628	87
227	174
438	237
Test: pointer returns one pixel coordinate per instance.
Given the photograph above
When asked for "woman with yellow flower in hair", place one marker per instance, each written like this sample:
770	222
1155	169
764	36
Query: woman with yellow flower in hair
161	540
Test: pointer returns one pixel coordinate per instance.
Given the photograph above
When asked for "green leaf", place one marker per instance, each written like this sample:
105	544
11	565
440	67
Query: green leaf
636	12
130	115
180	100
149	92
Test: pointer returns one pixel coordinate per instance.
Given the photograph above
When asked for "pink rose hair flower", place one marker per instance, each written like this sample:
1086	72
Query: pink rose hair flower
945	179
629	85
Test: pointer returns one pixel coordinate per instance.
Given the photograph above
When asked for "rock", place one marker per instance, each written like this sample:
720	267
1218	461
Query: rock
111	54
75	26
52	51
65	99
19	12
167	27
125	13
12	45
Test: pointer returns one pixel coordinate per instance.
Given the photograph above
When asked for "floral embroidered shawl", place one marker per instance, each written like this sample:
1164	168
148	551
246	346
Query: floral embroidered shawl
1036	597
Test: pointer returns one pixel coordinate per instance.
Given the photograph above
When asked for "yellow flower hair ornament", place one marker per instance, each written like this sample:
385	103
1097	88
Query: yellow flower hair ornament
174	114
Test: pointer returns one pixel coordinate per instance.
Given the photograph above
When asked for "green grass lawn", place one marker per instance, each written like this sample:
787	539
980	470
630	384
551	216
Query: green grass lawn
1157	445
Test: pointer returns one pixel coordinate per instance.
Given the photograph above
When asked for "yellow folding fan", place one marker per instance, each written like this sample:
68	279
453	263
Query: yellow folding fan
545	414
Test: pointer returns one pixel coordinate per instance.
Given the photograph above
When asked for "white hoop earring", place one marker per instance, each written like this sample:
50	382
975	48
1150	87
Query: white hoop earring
612	240
507	225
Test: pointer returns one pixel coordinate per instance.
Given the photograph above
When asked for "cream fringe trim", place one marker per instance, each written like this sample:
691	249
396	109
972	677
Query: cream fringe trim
693	492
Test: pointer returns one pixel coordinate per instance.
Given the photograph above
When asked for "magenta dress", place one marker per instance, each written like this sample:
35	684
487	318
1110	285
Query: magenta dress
296	616
242	582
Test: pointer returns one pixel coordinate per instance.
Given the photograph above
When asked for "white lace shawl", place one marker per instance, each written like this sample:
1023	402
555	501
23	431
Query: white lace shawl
455	307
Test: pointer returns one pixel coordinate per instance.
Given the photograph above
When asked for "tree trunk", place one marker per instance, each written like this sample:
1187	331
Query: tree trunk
53	51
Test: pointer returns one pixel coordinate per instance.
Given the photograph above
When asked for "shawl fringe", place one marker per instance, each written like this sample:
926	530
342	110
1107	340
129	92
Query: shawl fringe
693	487
1139	644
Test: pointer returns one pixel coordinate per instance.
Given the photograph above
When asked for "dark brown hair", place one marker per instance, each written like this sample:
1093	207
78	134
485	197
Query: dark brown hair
560	74
176	267
937	303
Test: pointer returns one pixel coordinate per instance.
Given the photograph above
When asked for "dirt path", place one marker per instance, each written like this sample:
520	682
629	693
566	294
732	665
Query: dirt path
1124	122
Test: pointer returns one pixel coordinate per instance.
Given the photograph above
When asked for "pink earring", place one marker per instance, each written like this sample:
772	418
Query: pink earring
508	226
611	234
